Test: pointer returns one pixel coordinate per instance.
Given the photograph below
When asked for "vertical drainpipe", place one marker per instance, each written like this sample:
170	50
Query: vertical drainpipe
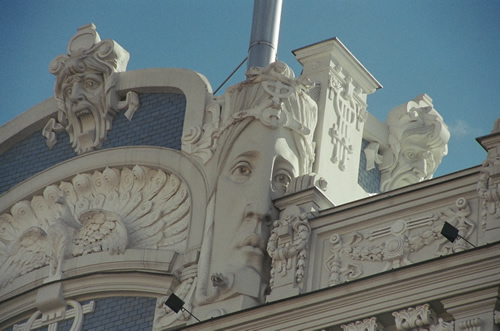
265	33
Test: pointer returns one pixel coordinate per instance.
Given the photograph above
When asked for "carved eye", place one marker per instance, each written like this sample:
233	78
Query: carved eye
241	171
68	91
91	84
411	155
281	180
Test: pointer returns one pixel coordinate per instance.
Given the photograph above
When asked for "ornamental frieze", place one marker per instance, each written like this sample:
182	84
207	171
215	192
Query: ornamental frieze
401	243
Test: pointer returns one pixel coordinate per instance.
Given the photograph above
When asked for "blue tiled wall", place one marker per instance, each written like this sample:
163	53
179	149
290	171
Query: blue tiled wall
158	122
113	314
369	180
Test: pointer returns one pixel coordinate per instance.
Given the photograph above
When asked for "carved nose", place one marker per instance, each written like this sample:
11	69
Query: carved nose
260	215
76	94
419	168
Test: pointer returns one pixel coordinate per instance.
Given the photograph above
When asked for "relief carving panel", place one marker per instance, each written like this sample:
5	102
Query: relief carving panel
109	210
404	242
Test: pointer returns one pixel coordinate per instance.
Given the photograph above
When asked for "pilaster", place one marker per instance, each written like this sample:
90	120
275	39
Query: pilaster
288	245
341	85
488	187
474	311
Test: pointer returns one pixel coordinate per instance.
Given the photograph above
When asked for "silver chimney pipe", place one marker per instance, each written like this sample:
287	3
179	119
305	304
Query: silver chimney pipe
265	33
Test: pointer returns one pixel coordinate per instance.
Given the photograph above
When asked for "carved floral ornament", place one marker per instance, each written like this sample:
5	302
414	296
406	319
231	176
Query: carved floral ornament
288	244
369	324
422	318
109	210
85	90
489	193
398	244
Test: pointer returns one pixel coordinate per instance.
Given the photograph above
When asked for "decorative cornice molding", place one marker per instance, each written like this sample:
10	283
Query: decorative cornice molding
411	318
397	244
368	324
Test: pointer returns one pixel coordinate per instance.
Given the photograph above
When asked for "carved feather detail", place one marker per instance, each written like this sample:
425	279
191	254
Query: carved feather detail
109	210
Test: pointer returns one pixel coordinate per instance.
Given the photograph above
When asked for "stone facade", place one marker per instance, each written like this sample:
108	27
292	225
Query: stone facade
281	204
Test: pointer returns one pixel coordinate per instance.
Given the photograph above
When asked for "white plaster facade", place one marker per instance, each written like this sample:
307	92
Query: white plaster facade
258	222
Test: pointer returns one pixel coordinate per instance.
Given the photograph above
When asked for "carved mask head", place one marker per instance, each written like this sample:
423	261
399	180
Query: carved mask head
418	139
84	87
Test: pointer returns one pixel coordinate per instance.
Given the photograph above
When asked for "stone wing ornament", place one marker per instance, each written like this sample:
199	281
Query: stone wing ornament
108	211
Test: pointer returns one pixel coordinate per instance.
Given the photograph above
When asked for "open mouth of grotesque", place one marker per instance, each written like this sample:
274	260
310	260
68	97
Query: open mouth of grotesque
86	121
82	112
85	126
408	178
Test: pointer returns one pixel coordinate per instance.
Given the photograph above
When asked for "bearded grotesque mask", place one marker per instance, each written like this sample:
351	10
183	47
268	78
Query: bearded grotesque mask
418	140
84	89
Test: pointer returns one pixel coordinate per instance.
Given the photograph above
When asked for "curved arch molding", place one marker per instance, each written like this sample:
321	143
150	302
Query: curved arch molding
188	200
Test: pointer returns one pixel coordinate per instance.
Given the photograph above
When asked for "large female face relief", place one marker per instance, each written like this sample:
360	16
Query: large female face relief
258	168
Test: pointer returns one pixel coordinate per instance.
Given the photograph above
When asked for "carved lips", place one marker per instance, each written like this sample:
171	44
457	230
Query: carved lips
252	244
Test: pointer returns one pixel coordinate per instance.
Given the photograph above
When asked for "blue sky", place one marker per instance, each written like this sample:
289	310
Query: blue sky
449	49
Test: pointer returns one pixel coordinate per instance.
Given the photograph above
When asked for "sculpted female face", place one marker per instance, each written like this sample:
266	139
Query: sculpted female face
260	165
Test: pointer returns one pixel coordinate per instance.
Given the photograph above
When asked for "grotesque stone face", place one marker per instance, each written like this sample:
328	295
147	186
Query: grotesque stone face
258	168
418	140
415	164
84	100
85	89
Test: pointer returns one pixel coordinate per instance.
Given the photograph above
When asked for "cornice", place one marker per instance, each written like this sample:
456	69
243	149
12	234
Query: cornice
137	283
22	126
438	279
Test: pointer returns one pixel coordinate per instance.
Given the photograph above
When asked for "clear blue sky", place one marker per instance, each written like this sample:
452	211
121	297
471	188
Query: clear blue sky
449	49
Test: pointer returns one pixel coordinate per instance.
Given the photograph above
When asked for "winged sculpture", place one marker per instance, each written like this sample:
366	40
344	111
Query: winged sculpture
109	211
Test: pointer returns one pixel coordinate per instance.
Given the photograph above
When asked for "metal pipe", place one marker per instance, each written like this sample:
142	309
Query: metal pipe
265	33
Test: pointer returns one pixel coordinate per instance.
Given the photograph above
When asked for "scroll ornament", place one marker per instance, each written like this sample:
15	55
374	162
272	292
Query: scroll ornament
288	244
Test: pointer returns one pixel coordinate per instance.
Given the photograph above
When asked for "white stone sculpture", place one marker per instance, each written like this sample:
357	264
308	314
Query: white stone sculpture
459	218
415	318
288	244
84	90
418	140
368	324
263	140
441	325
110	211
399	243
350	112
